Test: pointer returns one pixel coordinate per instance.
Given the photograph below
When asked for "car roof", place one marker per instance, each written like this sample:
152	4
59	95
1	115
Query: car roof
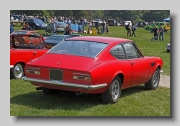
108	40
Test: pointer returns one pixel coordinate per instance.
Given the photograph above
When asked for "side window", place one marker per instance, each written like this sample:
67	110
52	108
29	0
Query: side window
131	51
118	52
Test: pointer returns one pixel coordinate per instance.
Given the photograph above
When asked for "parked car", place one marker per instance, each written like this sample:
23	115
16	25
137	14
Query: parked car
26	36
94	65
36	23
55	39
20	54
168	47
60	27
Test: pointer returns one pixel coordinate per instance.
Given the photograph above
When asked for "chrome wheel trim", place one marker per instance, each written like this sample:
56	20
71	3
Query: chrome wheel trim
156	78
115	90
18	71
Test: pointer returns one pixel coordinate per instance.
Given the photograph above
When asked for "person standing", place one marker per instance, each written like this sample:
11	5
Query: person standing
161	33
107	28
133	30
128	28
11	28
155	30
27	27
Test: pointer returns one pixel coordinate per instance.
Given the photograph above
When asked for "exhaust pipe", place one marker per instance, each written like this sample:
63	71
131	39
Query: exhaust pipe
78	93
39	88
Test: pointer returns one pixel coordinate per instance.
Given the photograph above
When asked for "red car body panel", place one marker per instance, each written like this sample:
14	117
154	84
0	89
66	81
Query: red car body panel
102	69
25	55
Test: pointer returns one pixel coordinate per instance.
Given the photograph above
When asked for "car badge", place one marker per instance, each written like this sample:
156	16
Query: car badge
58	63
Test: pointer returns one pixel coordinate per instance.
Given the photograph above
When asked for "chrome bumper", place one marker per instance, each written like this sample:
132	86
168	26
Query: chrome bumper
60	83
11	66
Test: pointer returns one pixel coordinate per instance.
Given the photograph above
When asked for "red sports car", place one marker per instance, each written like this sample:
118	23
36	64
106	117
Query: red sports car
20	54
96	65
27	36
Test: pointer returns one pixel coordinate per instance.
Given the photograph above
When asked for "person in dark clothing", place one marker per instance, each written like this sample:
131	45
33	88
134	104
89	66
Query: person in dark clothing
128	28
27	27
155	30
133	31
11	28
68	30
161	33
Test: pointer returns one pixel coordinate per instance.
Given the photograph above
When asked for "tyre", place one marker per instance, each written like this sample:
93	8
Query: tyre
18	71
47	91
112	94
153	83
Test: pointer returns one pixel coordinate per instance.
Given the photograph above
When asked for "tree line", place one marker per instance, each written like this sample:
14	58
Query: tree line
119	15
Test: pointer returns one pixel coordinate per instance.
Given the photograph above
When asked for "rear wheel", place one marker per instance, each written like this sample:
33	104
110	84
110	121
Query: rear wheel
153	83
18	71
112	94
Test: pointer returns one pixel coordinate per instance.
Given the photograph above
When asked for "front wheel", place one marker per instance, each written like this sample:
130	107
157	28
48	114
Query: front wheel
153	83
18	71
112	94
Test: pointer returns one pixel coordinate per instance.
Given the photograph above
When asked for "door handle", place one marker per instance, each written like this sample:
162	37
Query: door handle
34	53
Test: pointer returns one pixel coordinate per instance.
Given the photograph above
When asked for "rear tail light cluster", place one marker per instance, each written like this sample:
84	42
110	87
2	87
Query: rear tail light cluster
33	71
79	76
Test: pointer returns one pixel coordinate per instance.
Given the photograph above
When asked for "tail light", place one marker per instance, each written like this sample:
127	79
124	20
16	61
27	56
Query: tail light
33	71
57	26
79	76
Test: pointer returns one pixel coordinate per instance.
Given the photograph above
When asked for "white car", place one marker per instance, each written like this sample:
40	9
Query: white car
60	27
168	47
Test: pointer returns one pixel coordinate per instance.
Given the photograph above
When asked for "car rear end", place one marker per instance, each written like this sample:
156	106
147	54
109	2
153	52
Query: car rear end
66	69
61	26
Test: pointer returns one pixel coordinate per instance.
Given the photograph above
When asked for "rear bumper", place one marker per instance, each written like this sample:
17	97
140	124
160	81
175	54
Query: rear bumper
60	83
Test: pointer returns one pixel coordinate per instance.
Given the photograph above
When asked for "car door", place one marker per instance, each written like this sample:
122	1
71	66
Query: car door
140	64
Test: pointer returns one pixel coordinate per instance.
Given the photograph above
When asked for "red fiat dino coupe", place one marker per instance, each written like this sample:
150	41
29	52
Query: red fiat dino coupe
96	65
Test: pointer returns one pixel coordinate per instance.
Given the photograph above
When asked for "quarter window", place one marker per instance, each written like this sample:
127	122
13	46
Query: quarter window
131	51
118	52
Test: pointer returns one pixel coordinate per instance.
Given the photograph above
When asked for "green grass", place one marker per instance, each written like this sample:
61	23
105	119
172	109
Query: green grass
136	101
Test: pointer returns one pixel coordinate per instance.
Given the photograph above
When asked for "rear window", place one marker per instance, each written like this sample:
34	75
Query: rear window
79	48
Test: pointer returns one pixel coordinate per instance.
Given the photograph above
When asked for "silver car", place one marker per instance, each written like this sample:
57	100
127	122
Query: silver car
168	47
60	27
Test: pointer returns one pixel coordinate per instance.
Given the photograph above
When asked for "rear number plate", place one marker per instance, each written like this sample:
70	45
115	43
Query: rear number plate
55	74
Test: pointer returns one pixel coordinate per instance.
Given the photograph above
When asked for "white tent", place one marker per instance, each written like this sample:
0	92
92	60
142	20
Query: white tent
167	19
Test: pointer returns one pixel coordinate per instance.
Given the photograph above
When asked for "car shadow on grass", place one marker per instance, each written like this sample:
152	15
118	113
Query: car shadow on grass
66	100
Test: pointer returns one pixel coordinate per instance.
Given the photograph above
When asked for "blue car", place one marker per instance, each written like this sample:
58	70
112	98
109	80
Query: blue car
36	24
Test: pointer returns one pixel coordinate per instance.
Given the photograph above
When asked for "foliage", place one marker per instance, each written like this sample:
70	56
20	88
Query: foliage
133	15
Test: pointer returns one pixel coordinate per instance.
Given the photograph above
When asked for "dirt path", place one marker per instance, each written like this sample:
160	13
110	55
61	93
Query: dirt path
164	81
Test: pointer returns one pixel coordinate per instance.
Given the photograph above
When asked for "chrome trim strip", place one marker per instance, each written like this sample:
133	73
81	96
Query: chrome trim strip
60	83
11	66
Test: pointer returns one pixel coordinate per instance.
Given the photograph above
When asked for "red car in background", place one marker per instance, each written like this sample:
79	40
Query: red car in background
94	65
27	36
21	53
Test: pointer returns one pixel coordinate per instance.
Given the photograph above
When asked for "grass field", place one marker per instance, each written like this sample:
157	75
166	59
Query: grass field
136	101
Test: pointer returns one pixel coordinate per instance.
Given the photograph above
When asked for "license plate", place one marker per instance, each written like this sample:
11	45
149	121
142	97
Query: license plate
55	74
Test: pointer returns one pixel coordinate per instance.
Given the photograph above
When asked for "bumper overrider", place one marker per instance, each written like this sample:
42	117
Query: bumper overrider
61	83
11	67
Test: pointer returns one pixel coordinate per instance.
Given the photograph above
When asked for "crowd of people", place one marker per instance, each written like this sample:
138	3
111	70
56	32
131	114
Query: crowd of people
100	27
